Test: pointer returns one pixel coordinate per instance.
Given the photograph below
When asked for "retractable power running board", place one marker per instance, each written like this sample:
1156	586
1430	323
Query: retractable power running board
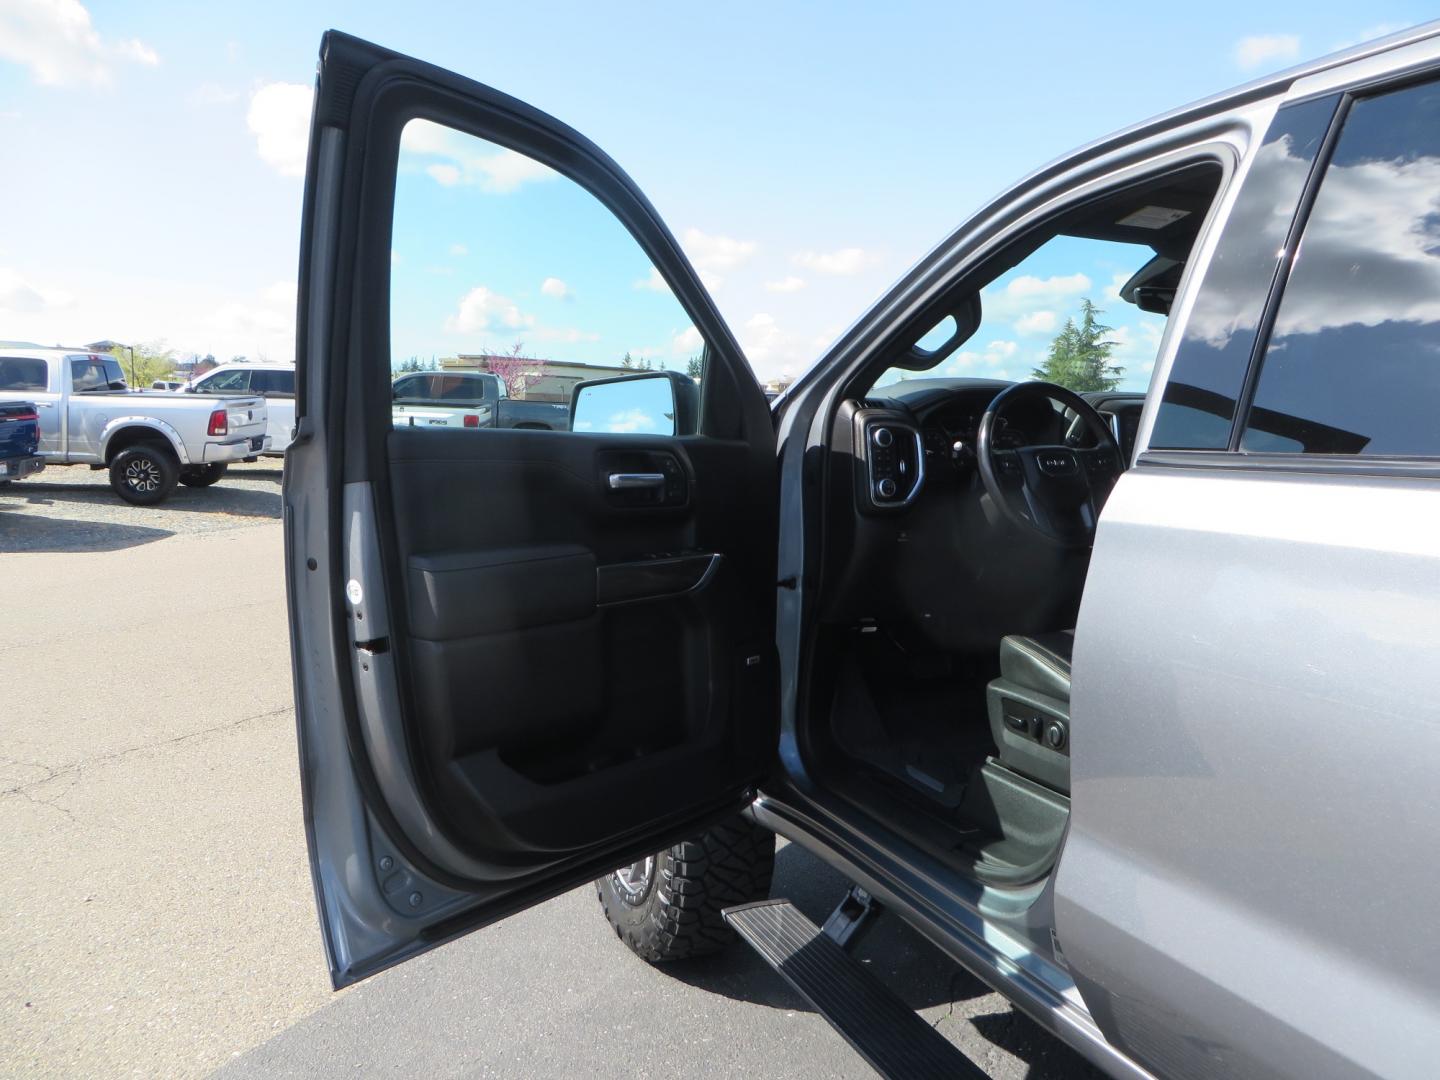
883	1029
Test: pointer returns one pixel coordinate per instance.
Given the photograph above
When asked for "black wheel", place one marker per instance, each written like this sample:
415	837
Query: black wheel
667	906
144	475
202	475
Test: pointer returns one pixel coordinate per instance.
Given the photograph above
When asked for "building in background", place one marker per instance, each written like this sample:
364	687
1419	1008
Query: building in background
547	380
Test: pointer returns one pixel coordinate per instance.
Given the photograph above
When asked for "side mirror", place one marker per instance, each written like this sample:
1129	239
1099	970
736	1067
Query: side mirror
647	403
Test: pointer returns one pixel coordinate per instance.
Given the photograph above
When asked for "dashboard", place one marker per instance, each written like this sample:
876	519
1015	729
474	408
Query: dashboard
943	416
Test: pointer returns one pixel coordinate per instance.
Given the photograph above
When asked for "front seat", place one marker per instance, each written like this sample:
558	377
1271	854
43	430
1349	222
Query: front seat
1029	707
1041	663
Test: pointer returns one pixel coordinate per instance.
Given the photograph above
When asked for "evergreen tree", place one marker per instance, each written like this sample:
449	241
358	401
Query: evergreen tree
1079	357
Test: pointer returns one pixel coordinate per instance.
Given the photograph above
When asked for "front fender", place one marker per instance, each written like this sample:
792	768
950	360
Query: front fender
121	423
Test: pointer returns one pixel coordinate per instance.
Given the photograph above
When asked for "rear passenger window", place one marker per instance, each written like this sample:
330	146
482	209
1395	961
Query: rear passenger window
87	374
1198	409
1353	364
21	373
273	384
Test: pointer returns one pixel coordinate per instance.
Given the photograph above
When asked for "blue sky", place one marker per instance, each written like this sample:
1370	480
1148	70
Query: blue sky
805	154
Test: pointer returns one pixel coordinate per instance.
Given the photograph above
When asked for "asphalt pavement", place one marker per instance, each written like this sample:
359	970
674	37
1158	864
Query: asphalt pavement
160	920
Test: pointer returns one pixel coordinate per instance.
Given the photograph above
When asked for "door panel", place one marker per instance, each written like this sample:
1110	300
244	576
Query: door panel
545	652
1246	888
533	690
1243	881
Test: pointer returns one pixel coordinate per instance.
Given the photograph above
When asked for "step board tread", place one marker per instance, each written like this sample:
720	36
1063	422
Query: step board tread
883	1029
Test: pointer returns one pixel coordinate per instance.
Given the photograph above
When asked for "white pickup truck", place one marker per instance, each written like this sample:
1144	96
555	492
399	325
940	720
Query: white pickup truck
149	441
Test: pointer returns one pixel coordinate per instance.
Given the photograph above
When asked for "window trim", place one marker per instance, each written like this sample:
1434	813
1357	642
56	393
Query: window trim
1235	458
1245	401
1280	464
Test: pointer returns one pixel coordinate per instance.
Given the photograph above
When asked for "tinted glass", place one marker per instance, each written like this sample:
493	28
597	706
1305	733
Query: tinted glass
88	374
236	379
1198	408
273	383
1353	365
503	268
21	373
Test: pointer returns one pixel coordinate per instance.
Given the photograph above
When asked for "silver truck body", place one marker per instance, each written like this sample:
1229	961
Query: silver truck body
89	425
1245	878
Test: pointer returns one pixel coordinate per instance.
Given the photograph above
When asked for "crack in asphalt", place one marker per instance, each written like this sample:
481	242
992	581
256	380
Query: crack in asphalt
75	768
952	992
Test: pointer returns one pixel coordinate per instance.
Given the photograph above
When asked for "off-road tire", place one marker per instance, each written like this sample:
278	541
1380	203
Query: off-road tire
144	474
200	476
677	915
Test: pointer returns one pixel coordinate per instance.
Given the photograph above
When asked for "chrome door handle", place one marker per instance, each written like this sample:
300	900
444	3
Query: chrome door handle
629	481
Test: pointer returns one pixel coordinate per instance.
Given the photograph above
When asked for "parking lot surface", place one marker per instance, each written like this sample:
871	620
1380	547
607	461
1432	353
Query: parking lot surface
160	919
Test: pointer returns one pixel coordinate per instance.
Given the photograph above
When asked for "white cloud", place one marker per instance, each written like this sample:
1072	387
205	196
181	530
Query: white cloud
480	309
556	289
269	316
459	249
279	118
507	170
1037	322
687	341
786	284
18	296
990	358
1265	49
471	161
712	252
1027	286
769	346
842	262
1136	346
444	175
655	283
1028	294
1117	282
57	42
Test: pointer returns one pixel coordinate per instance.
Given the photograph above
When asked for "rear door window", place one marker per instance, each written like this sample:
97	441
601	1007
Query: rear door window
273	384
22	373
1353	364
94	373
1197	411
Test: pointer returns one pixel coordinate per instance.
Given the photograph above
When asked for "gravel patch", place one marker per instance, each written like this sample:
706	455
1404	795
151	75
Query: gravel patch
71	508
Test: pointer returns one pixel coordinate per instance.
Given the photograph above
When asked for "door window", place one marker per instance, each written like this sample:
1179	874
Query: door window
508	280
236	380
1197	411
273	384
22	373
95	373
1353	364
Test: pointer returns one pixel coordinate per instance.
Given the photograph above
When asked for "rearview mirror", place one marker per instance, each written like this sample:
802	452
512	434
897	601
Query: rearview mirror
648	403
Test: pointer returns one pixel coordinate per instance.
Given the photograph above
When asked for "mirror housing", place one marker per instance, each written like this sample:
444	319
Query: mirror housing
646	403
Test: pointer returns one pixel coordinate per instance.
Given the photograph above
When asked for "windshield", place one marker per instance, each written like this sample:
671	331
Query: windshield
1057	316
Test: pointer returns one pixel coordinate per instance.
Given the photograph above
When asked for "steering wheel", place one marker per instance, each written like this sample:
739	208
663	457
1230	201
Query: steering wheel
1054	492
